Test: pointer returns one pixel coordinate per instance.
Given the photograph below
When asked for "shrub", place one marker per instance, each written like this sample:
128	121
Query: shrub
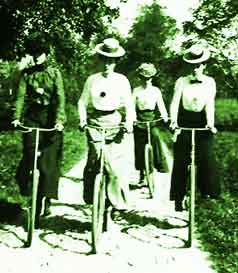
227	114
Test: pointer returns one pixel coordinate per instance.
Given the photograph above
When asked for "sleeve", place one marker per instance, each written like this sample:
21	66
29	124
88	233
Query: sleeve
210	106
20	98
174	106
84	101
129	102
161	105
60	112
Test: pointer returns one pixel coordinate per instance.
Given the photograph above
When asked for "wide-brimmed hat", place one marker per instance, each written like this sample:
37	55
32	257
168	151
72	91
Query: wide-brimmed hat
110	47
196	54
147	70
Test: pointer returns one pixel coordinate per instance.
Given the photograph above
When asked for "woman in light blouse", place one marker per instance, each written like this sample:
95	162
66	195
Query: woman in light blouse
193	105
104	95
149	106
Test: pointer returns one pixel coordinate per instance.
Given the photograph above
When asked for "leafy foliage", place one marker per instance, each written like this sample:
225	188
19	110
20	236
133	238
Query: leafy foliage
149	42
215	22
227	114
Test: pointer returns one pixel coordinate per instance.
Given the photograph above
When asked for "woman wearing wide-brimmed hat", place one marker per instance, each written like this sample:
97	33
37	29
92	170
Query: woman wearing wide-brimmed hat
149	106
193	106
104	94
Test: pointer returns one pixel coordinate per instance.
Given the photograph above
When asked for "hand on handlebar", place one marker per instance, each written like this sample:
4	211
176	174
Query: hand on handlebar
129	127
59	127
16	123
173	125
212	128
82	126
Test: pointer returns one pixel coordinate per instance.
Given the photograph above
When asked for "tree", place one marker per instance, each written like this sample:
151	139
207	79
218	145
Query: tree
216	22
149	41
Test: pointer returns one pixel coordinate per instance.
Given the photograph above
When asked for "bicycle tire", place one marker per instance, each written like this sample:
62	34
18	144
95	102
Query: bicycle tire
149	169
32	210
98	212
192	180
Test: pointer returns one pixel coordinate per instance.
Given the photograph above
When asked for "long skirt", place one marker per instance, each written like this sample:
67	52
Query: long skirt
140	140
207	176
50	155
115	153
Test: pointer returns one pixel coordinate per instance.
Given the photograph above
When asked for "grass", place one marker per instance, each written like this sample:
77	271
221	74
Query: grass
11	147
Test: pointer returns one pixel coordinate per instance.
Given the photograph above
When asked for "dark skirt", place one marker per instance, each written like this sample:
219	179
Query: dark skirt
207	176
141	139
50	147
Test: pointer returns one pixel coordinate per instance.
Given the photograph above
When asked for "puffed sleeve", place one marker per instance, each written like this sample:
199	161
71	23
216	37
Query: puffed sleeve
210	106
20	98
174	106
128	101
60	112
84	101
161	105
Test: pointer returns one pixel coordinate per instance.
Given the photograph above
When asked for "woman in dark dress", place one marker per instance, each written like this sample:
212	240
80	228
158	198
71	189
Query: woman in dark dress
40	103
193	106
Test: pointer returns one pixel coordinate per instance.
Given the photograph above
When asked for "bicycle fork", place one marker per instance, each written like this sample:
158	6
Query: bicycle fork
192	191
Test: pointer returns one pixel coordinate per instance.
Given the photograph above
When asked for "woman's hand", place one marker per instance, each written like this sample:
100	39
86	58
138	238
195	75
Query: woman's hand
16	123
212	128
173	125
59	127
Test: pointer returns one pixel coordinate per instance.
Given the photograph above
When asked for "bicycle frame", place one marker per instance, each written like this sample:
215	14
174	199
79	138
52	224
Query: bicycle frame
99	218
148	153
192	179
35	184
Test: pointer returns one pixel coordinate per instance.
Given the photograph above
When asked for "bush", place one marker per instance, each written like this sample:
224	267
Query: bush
227	160
217	223
227	114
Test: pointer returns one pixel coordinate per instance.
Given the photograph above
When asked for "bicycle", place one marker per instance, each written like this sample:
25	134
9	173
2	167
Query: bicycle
31	211
99	214
192	179
149	157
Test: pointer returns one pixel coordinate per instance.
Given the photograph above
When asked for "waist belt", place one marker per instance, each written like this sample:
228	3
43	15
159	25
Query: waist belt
103	112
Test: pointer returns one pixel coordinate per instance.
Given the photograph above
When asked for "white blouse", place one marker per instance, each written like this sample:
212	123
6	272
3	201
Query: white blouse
195	97
106	94
146	98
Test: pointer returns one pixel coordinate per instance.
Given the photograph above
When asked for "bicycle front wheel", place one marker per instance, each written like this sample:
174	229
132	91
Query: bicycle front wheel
192	192
98	212
32	210
149	169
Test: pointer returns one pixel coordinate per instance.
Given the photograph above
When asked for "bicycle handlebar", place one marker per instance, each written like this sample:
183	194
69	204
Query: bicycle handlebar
30	129
149	121
192	128
105	127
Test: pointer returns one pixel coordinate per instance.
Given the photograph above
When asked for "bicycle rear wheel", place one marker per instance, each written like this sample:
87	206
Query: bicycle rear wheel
32	210
149	169
98	213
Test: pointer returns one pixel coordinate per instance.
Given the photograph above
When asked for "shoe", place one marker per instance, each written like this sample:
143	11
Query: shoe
178	205
47	204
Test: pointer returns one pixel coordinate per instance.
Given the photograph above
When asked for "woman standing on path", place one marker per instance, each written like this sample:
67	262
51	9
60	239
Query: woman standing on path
149	106
104	95
193	106
40	103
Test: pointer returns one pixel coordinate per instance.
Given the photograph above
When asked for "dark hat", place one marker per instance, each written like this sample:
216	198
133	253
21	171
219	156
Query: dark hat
110	47
196	54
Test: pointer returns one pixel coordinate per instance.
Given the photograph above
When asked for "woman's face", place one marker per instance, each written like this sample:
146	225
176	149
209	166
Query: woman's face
197	70
41	59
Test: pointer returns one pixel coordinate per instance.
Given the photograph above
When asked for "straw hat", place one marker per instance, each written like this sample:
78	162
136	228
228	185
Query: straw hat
147	70
110	47
196	54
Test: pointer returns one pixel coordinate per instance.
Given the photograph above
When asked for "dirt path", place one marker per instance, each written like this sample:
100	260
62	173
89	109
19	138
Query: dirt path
149	238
